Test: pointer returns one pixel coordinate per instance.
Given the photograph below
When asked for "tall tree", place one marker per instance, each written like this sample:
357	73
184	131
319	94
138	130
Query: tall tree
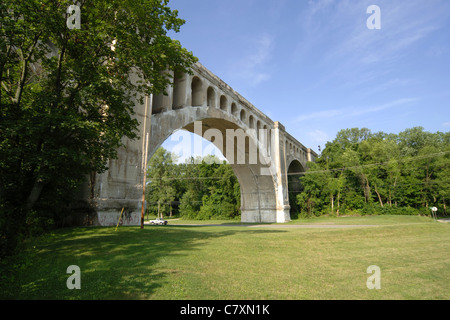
160	189
67	95
315	194
204	187
378	172
222	198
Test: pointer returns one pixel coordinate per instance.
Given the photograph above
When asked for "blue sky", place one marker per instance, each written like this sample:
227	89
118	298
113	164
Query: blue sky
314	65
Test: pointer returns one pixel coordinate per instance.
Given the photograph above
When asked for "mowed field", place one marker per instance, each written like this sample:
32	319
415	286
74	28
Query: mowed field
320	258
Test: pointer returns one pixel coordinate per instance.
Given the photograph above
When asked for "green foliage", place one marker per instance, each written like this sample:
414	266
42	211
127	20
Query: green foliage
190	204
361	172
67	97
204	188
161	192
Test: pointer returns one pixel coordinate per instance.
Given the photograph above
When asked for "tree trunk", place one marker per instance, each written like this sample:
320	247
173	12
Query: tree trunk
308	206
159	207
34	195
332	203
366	188
338	198
379	197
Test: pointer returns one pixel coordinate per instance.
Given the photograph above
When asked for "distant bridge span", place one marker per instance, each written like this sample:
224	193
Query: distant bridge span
259	150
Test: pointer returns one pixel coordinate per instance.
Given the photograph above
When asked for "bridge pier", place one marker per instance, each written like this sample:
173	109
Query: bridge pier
283	207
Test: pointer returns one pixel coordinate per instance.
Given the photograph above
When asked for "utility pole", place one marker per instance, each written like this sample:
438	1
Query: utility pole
144	183
145	153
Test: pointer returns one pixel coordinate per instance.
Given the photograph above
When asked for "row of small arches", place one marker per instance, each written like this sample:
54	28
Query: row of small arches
232	109
179	99
294	150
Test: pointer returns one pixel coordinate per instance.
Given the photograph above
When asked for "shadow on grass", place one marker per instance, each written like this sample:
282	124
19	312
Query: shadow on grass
114	265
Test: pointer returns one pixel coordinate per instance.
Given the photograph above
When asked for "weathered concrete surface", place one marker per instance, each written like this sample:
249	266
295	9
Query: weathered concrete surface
259	150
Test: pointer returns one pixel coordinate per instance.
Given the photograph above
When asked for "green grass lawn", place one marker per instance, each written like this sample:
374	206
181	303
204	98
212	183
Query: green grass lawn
238	262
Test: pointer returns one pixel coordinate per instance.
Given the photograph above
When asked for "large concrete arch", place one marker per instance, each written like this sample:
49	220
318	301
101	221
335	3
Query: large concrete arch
258	149
257	179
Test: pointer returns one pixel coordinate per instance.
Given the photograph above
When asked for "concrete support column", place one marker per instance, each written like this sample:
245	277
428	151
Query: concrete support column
163	101
121	186
281	189
180	91
257	194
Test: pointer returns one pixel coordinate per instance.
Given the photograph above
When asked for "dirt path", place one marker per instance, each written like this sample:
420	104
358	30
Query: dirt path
288	226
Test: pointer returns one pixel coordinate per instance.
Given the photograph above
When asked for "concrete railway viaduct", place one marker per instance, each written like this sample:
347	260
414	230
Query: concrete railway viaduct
259	150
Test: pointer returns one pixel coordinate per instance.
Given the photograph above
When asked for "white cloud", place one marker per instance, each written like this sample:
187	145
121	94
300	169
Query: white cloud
398	31
319	115
382	107
352	111
252	68
333	35
319	137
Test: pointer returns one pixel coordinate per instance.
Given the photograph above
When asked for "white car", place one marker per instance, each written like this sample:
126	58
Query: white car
158	221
